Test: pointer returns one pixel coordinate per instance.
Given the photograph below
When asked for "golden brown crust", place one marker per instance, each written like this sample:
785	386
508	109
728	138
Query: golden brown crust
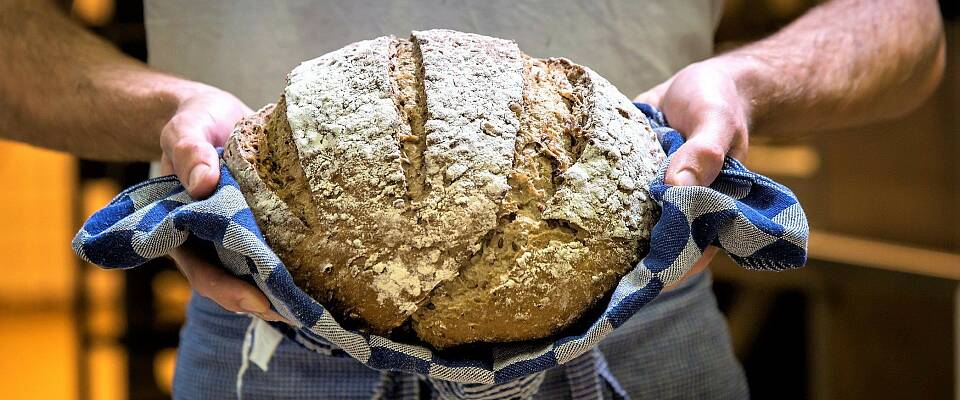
532	276
498	200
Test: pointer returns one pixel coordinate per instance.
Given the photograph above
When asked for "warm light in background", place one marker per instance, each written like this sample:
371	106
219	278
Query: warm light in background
792	161
36	227
38	335
107	358
37	338
163	366
93	12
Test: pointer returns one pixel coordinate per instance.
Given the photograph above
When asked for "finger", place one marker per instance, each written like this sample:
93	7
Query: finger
702	263
215	283
166	167
696	163
650	97
193	158
710	138
654	96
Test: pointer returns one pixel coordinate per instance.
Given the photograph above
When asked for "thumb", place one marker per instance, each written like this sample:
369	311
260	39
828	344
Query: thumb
696	163
654	96
190	153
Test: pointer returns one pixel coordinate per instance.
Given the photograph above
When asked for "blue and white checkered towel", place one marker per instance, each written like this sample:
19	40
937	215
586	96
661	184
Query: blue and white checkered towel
757	221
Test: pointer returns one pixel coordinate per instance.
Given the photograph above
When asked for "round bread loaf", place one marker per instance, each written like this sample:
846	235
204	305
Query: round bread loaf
450	182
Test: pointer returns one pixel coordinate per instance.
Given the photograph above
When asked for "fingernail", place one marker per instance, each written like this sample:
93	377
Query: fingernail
196	174
685	177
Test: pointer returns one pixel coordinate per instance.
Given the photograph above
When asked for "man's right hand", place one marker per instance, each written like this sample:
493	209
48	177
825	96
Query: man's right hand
204	118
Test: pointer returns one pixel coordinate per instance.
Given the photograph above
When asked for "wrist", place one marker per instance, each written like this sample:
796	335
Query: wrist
180	91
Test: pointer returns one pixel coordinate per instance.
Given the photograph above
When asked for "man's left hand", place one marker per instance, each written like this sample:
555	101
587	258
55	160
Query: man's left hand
703	103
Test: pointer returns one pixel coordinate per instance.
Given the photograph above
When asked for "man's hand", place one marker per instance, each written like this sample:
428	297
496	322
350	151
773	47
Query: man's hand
844	63
63	88
703	103
203	120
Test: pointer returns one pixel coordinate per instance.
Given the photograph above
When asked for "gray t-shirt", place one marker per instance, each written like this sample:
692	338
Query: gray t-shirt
247	46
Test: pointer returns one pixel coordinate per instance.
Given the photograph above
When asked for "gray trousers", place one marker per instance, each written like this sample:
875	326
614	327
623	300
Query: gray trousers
677	347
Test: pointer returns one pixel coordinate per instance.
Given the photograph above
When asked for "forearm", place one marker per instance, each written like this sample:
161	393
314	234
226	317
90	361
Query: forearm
844	63
63	88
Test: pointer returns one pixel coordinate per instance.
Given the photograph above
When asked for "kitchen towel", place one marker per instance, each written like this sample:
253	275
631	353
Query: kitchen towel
757	221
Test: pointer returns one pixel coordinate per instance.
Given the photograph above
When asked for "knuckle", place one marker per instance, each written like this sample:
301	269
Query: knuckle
180	128
167	135
735	124
181	122
186	147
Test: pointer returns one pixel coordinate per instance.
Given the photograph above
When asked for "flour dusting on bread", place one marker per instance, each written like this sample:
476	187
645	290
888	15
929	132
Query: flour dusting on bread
450	182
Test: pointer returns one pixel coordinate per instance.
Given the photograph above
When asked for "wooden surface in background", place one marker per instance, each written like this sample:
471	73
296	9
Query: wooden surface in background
875	254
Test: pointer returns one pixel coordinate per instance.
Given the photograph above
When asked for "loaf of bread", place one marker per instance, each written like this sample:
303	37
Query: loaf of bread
450	184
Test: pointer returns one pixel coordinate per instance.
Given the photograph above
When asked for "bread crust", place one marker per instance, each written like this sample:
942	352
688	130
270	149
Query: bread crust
450	182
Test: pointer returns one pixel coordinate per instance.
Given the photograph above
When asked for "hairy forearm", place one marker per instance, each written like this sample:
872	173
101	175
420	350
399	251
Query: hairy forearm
844	63
63	88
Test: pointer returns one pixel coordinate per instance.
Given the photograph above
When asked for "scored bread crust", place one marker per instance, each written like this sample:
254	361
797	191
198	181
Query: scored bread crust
450	182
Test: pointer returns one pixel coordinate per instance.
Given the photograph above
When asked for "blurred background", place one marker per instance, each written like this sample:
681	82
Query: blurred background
875	315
